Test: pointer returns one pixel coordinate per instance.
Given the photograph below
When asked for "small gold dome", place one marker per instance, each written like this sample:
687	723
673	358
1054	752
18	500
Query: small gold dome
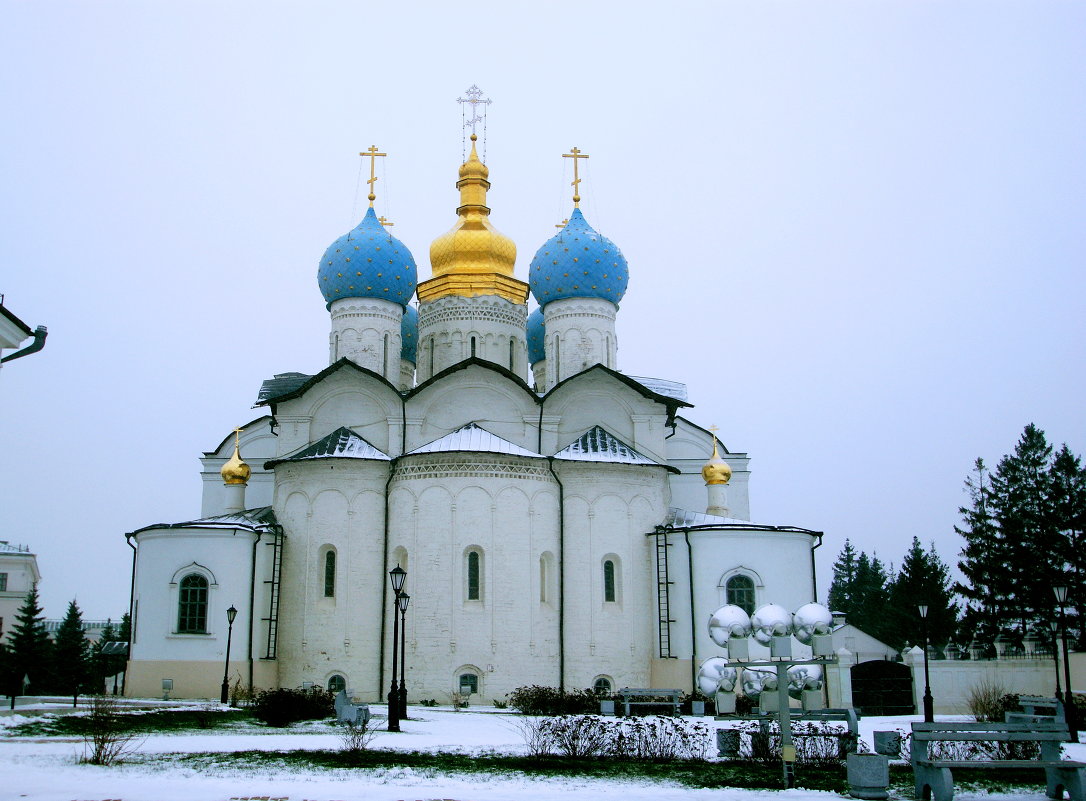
235	471
473	258
716	470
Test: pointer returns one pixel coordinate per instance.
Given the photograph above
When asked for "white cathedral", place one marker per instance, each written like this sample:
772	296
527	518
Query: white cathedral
561	522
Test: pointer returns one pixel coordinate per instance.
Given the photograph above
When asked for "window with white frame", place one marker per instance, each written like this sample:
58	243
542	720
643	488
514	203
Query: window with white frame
192	605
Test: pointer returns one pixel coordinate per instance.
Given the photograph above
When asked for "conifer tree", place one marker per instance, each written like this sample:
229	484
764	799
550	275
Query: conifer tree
923	579
71	656
30	647
1068	505
844	579
981	558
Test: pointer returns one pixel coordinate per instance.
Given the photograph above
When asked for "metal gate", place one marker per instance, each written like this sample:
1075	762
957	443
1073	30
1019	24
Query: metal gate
883	688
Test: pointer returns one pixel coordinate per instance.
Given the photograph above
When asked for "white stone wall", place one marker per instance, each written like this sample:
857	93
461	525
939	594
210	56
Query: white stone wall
580	333
449	326
608	510
258	445
505	509
332	504
367	331
22	573
225	558
952	680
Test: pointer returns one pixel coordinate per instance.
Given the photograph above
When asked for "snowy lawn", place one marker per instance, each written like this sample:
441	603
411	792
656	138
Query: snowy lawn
201	766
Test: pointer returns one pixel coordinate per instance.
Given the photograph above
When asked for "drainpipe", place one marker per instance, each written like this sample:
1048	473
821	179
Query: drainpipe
252	607
561	577
814	578
40	333
131	616
693	627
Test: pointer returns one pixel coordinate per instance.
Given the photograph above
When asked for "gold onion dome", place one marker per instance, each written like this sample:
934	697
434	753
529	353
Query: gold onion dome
716	470
473	258
235	471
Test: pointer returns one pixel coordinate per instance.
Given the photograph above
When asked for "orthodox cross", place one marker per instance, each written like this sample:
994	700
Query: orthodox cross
474	100
384	221
237	438
714	429
575	154
371	151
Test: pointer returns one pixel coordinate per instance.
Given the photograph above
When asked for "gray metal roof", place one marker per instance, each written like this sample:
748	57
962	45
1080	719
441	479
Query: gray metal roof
473	438
340	444
598	445
281	384
258	519
681	518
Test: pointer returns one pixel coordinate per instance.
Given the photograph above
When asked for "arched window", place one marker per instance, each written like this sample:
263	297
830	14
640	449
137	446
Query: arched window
431	357
192	605
740	591
607	352
474	569
602	685
557	362
610	591
468	683
473	347
336	683
542	579
384	359
330	574
512	361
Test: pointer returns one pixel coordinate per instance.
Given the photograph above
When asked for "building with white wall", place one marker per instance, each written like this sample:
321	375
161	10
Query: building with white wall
18	575
557	518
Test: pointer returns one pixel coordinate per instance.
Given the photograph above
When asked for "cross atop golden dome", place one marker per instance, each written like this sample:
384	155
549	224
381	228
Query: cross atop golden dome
716	470
236	471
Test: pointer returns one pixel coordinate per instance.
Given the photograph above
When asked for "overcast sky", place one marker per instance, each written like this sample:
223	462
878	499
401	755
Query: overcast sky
854	229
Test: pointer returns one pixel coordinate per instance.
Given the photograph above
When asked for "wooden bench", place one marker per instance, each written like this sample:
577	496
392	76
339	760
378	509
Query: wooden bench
651	698
933	776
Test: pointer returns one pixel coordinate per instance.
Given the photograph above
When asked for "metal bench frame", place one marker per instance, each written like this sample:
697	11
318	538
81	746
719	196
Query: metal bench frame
933	778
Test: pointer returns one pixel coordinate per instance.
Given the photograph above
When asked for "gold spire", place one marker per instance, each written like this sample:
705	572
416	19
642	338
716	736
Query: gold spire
371	151
235	471
716	470
473	258
575	154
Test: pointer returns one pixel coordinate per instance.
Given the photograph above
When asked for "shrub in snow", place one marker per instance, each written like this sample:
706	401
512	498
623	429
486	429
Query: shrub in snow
285	706
106	742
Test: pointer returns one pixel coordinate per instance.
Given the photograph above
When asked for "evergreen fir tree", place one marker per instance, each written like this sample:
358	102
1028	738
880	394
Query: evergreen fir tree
868	608
1020	503
1068	506
30	647
71	656
923	579
981	558
101	663
844	580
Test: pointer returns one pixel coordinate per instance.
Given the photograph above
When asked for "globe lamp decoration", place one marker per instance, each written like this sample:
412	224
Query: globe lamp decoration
716	675
756	680
809	620
728	622
803	677
771	621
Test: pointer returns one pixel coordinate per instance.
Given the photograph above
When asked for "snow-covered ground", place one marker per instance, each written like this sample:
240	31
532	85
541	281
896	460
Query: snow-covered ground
48	769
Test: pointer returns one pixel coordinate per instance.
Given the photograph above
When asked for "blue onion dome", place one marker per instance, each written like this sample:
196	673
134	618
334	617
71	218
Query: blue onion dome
368	262
536	337
409	334
578	263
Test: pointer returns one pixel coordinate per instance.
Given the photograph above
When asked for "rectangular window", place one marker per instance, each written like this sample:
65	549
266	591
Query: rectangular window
473	576
609	581
330	574
3	582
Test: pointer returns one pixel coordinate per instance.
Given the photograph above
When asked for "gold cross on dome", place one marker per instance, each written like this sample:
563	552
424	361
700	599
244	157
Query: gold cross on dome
714	429
575	154
384	221
371	151
237	437
563	224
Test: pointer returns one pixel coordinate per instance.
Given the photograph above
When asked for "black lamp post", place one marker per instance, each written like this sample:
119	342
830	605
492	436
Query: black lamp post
1061	591
401	602
929	702
397	576
1055	626
231	613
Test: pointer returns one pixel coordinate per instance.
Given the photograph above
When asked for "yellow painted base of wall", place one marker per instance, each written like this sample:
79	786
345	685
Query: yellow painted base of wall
670	674
193	680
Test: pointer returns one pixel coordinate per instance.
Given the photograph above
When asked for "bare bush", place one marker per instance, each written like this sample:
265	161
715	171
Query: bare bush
661	738
985	701
106	742
815	743
356	736
535	731
579	735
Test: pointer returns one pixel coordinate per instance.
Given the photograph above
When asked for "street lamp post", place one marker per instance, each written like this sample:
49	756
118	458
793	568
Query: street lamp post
402	601
929	702
1055	626
231	613
397	576
1061	591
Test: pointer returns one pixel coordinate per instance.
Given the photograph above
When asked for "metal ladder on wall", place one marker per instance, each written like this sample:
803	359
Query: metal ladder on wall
663	603
273	607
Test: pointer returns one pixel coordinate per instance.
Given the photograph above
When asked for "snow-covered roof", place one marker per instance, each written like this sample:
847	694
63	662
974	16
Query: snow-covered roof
661	386
473	438
340	444
599	445
258	519
681	518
